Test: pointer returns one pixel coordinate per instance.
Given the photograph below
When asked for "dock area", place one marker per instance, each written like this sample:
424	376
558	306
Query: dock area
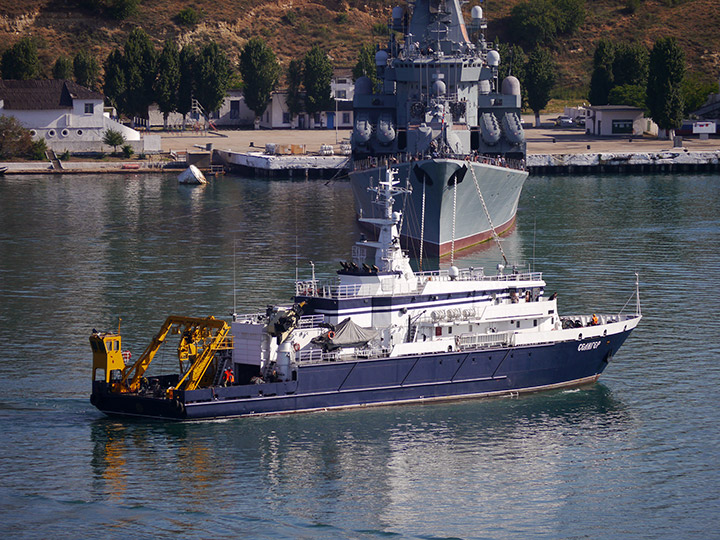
550	150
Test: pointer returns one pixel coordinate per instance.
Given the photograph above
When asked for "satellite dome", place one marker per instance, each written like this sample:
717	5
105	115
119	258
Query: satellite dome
381	58
363	86
493	58
439	88
511	86
476	13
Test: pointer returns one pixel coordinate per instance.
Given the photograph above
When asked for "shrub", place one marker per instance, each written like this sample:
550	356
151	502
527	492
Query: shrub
65	156
342	18
189	16
37	150
15	140
379	29
113	138
290	18
127	150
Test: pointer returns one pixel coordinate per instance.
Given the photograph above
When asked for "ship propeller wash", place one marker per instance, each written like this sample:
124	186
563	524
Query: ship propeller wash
379	333
440	116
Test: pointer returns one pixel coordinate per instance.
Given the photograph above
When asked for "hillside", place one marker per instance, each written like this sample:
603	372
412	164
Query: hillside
291	27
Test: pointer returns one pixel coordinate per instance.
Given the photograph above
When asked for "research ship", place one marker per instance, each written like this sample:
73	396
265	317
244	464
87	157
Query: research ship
379	333
440	116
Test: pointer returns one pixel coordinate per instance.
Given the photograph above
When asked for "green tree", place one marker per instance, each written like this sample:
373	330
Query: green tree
21	61
260	73
536	21
86	70
570	15
539	80
695	92
115	89
15	140
630	64
113	138
294	101
213	77
665	76
317	74
63	68
140	70
168	80
602	80
186	90
365	66
628	94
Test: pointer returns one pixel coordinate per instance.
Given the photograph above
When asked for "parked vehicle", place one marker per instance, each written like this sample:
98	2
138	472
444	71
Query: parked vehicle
563	121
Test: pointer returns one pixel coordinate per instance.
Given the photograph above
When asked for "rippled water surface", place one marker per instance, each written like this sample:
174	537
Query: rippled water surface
634	456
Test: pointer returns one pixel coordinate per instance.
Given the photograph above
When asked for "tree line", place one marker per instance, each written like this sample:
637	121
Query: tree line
138	74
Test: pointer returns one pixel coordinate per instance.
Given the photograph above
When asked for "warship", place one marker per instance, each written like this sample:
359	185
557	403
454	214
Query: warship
378	333
440	116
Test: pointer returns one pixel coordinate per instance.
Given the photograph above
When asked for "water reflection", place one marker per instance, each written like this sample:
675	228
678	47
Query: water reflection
373	466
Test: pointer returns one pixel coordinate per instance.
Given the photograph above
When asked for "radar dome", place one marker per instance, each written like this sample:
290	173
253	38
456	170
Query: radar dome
439	88
363	86
381	58
476	13
511	86
493	59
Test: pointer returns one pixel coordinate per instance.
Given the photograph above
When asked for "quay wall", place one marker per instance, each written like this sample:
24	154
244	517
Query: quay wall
676	160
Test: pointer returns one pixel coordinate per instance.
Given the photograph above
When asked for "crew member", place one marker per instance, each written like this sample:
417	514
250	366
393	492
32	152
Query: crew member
594	320
228	377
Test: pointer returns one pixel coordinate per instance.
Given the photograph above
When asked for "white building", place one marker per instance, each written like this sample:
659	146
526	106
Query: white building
615	121
232	113
342	91
68	116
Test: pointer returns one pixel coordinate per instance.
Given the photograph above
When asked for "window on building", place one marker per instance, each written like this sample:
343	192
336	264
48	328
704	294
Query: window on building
622	126
89	108
316	118
346	118
341	94
342	81
286	118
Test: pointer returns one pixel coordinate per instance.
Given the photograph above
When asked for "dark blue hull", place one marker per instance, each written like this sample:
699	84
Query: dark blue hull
453	375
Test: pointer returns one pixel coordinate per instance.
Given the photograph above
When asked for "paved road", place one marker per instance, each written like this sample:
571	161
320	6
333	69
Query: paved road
545	140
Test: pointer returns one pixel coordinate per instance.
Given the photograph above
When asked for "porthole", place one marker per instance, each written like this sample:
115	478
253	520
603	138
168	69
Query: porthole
33	133
65	133
79	132
51	133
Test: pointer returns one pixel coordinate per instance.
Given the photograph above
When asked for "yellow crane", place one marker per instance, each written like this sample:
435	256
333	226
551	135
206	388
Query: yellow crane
200	339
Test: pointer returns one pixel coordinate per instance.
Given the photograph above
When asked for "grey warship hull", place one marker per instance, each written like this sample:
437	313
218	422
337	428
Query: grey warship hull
438	111
445	210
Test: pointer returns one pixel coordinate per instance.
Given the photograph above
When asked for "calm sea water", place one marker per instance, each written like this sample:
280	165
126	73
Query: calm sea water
634	456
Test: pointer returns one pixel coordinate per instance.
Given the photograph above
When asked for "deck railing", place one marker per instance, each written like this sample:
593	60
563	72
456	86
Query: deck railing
331	289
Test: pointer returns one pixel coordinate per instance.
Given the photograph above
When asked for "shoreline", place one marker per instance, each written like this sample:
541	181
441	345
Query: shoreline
550	150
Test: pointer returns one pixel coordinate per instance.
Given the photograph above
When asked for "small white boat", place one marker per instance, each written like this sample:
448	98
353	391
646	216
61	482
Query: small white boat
192	175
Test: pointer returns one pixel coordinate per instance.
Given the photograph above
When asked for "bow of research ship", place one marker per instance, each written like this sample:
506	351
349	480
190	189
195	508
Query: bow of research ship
379	333
441	117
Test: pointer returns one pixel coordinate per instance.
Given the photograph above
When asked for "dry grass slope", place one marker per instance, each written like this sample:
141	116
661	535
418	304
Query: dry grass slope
291	27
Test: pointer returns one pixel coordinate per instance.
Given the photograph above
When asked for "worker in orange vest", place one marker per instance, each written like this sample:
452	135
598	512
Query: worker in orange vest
229	377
